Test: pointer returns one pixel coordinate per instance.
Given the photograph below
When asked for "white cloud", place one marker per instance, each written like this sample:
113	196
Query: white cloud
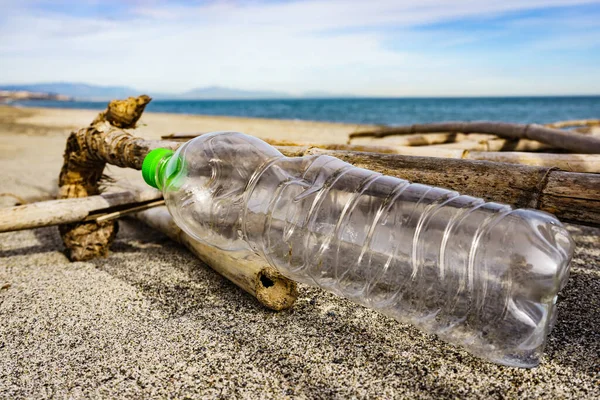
331	45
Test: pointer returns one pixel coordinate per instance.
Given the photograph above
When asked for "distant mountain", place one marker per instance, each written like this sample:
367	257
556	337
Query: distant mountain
83	91
219	92
325	95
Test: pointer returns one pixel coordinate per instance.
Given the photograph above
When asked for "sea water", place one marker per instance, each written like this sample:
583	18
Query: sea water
387	111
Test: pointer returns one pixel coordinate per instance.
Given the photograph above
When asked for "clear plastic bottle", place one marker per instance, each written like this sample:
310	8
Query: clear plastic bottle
480	275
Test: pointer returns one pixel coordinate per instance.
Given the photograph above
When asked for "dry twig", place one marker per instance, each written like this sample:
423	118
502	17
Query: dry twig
554	137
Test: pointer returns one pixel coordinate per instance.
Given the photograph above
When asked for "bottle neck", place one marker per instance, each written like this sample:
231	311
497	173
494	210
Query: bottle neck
161	176
153	167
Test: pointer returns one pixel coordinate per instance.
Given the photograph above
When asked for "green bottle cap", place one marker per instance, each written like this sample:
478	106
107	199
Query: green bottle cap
151	163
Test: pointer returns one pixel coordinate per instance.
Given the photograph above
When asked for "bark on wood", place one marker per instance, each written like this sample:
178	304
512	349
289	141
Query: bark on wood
87	152
554	137
589	163
572	197
567	162
244	268
496	144
58	212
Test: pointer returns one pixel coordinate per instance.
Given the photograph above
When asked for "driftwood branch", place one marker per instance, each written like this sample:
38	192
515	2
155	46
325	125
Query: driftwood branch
244	268
88	151
67	211
589	163
572	197
574	142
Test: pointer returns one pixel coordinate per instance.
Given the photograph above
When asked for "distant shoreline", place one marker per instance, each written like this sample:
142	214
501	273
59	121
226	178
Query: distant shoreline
308	98
379	111
10	96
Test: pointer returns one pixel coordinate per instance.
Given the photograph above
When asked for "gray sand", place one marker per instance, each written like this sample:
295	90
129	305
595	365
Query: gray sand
152	321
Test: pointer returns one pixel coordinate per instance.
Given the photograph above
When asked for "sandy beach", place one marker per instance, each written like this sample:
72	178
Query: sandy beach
153	321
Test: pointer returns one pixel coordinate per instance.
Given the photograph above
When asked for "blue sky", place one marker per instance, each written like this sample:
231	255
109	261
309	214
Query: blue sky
374	48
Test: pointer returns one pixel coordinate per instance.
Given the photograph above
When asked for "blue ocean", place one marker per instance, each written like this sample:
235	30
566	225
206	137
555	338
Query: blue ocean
387	111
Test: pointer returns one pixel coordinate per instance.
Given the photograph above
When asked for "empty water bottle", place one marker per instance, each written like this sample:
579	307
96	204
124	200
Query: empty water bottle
480	275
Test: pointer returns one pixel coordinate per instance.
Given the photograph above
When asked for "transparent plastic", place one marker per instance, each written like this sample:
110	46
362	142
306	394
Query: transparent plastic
480	275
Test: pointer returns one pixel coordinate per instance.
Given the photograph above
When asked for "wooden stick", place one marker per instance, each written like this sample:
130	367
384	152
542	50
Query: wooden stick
574	142
128	211
244	268
589	163
57	212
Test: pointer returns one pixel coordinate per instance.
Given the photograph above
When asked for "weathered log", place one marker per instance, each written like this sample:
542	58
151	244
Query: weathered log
574	142
589	163
566	162
244	268
572	197
66	211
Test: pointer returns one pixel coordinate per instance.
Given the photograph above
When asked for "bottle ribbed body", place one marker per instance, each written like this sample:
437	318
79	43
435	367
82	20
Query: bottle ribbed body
478	274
